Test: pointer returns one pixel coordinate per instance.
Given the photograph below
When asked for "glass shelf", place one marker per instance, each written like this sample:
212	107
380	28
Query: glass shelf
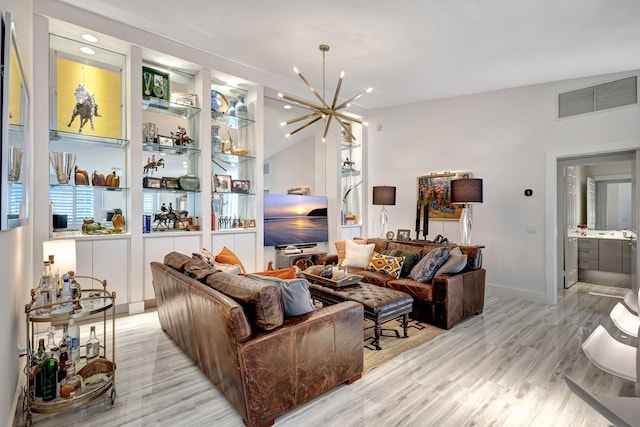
95	187
232	158
350	172
156	105
232	122
228	193
169	190
348	145
170	149
78	138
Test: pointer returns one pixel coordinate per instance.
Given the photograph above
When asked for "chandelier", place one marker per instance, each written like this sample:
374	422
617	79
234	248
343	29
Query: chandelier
323	110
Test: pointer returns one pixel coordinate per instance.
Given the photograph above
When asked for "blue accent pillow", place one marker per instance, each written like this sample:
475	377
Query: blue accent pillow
426	268
296	298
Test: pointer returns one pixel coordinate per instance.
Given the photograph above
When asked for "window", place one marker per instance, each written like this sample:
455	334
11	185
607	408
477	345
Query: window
15	200
75	202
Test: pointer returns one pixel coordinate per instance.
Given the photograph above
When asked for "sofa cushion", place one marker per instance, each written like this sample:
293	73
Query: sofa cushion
386	264
419	291
357	255
455	264
296	297
395	246
176	260
226	256
261	301
199	270
426	268
372	277
410	260
205	256
474	257
341	248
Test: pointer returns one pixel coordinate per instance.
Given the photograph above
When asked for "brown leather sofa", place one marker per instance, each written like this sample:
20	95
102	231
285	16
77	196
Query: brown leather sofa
265	364
448	298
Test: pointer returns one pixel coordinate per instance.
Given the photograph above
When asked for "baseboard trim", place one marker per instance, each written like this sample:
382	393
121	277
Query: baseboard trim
136	308
517	293
16	400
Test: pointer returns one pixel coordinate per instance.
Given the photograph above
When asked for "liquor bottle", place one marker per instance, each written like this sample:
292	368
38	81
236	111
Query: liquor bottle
55	273
44	297
51	343
93	345
72	383
49	372
65	292
74	338
62	361
39	358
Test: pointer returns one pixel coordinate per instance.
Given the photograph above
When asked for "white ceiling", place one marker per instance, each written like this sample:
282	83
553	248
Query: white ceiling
408	51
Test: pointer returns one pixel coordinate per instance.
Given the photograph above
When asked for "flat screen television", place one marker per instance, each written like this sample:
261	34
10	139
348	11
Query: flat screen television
291	219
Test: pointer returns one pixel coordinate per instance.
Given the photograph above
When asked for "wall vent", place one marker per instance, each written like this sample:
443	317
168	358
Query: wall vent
600	97
265	169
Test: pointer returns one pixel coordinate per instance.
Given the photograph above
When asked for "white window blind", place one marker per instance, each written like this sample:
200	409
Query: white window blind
148	203
76	204
15	201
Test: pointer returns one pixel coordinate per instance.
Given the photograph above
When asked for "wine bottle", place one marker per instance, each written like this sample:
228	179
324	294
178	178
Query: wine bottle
44	296
39	358
62	362
93	345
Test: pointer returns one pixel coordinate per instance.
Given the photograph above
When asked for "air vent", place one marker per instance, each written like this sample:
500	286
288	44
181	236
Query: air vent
265	169
600	97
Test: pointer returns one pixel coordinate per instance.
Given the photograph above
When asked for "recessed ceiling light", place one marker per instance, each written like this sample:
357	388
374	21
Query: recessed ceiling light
287	107
90	38
87	50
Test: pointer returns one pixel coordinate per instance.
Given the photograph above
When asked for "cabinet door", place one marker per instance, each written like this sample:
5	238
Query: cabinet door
111	263
245	248
187	244
154	250
610	255
626	257
84	258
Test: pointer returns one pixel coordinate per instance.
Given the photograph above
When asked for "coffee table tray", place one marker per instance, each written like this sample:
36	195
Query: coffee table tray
352	279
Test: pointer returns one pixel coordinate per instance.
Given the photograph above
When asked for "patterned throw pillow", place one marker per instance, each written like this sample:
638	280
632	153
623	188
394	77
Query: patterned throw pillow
385	264
410	260
205	256
426	268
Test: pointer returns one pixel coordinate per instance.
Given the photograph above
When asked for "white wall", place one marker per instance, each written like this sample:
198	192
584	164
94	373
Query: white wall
505	138
293	167
16	259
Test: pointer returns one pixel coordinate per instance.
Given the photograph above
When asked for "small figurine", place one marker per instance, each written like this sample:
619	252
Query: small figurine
181	138
152	163
85	107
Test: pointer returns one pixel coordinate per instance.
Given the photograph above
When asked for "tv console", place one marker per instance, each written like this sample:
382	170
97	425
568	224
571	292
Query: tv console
286	260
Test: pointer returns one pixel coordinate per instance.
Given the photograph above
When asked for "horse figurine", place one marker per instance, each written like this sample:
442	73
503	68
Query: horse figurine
152	163
166	216
86	107
181	138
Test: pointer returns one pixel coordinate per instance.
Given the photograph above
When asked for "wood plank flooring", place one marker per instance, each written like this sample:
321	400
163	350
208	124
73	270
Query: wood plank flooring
503	368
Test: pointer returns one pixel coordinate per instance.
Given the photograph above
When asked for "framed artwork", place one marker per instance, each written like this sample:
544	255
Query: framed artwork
222	183
183	98
155	84
88	97
171	183
249	223
404	234
165	140
217	202
434	193
241	186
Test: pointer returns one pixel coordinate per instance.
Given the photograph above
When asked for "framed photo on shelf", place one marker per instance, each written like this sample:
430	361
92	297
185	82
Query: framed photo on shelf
165	140
183	98
249	223
222	183
155	84
151	182
241	186
217	202
170	183
404	234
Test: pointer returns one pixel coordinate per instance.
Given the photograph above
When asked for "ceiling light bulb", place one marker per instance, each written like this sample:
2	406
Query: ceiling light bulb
324	139
287	107
295	70
280	95
348	105
283	123
365	123
87	50
369	90
287	135
342	75
90	38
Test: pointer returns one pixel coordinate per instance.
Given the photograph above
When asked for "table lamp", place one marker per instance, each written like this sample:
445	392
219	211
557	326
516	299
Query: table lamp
465	191
385	196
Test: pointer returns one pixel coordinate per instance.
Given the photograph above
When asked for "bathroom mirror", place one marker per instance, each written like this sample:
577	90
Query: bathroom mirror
609	203
14	154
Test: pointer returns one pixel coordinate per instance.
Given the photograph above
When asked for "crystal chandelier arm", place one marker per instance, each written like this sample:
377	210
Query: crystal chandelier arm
308	116
353	98
324	104
305	125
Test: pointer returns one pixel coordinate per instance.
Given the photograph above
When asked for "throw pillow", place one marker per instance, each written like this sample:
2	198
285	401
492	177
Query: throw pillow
282	273
385	264
205	256
356	255
341	248
455	264
410	260
296	297
426	268
226	256
227	268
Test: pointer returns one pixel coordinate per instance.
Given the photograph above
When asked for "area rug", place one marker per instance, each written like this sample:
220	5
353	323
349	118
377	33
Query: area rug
419	333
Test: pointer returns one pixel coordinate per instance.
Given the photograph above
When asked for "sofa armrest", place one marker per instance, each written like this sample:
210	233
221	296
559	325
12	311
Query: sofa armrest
304	358
328	260
458	296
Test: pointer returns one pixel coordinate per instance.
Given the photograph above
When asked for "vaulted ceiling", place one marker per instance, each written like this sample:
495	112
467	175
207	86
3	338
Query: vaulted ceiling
408	51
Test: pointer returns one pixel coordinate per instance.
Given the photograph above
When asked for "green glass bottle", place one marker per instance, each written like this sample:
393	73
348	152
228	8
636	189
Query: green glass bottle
49	372
39	358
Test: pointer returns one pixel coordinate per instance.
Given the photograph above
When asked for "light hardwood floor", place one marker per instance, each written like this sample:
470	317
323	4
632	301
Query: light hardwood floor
502	368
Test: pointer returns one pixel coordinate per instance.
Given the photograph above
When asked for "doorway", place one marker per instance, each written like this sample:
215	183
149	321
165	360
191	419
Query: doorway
597	212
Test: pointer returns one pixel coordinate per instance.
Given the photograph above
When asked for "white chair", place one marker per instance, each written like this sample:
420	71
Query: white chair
610	355
621	411
631	301
625	320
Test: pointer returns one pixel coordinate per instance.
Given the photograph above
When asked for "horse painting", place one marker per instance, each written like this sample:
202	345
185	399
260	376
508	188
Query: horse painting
86	107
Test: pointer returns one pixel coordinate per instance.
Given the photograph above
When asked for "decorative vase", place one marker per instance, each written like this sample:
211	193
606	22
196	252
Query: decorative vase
232	107
214	100
216	141
241	107
117	219
63	164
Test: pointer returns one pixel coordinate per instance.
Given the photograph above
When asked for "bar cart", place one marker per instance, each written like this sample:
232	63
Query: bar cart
98	375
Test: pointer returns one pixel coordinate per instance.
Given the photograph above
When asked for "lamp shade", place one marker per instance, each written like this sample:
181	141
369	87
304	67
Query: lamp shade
466	190
385	196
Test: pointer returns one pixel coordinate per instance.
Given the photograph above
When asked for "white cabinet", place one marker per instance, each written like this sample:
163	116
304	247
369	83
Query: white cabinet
155	248
108	259
242	244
